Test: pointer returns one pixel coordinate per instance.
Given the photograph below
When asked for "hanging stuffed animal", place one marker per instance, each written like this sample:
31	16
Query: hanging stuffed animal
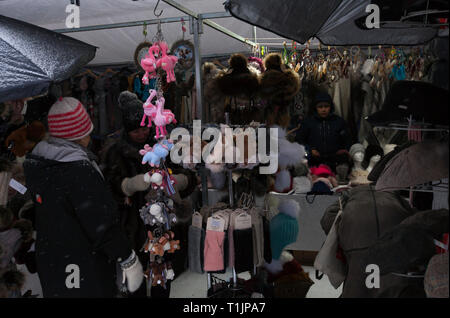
153	156
162	118
167	62
149	64
149	109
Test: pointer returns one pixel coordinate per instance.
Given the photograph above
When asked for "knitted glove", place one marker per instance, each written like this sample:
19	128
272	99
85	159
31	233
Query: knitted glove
132	185
132	272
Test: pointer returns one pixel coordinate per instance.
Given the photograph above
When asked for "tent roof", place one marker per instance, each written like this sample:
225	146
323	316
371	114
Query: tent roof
118	45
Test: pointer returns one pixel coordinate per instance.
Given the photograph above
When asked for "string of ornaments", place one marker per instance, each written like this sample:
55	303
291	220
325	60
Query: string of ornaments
158	214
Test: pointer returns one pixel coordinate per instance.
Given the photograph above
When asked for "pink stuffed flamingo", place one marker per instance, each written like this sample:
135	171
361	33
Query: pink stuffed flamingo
149	109
167	62
162	118
149	64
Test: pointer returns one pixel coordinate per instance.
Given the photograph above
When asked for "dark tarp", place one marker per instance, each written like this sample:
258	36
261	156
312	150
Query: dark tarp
332	22
31	58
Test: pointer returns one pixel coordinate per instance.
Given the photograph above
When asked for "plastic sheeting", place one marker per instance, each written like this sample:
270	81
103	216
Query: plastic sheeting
332	22
118	45
31	58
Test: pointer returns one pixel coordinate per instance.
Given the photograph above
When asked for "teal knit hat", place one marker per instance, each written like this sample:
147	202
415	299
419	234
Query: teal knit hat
284	227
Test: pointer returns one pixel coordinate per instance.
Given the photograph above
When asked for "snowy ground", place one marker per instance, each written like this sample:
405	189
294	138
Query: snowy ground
193	285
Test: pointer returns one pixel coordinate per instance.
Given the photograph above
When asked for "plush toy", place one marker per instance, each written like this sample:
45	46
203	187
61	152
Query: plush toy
149	64
162	118
174	245
157	274
167	62
149	109
153	156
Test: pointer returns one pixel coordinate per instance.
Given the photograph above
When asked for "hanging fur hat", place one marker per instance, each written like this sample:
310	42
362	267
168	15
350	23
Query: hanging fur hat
211	93
278	82
238	80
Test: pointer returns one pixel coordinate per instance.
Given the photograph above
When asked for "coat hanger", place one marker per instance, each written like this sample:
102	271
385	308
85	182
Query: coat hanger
88	72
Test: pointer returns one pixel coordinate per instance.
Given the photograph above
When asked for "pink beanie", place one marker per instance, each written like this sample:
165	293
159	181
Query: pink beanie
68	119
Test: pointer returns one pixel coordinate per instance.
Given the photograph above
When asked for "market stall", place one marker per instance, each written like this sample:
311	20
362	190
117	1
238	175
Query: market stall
339	101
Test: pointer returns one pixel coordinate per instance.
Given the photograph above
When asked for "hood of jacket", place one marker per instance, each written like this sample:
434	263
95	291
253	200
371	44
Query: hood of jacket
55	150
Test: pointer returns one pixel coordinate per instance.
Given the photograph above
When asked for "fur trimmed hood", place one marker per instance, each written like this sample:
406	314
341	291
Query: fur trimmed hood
239	80
278	82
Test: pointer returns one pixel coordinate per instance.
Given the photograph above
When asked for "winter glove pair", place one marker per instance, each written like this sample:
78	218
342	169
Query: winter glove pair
137	183
132	273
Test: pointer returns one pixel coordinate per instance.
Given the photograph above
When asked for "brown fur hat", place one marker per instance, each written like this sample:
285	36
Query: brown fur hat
25	138
238	80
212	94
278	82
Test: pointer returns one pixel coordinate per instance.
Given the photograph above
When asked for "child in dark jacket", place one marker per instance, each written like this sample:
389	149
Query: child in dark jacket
324	134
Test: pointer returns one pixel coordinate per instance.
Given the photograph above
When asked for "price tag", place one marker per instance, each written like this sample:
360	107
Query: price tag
243	221
17	186
215	224
197	220
225	216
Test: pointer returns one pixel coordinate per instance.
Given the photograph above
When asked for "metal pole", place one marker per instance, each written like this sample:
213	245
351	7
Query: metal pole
208	22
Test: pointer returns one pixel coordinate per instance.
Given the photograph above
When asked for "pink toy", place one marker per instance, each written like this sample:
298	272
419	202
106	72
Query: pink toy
149	64
162	118
149	109
167	62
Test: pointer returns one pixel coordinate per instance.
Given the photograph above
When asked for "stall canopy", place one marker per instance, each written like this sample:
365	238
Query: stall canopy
342	22
117	45
31	58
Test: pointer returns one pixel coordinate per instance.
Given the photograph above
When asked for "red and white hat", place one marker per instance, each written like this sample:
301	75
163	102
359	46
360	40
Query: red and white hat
68	119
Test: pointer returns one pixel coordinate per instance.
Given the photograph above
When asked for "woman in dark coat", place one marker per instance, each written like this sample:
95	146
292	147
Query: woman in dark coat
79	242
124	171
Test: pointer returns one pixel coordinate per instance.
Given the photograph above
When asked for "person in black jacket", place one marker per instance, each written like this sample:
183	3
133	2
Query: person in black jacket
324	134
80	245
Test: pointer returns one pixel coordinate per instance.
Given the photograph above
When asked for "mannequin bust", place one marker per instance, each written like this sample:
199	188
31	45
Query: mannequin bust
373	161
358	158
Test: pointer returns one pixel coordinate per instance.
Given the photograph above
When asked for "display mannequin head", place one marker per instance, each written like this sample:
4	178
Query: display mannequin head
357	152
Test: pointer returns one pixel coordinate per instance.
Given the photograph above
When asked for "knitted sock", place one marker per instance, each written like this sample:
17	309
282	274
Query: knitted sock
214	251
258	237
194	249
243	250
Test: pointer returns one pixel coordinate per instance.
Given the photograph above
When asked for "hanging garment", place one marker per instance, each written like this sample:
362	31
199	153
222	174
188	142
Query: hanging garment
100	100
214	251
196	241
258	237
243	250
440	195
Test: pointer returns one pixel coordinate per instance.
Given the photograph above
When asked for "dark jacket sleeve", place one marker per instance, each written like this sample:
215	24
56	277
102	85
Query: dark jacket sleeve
96	212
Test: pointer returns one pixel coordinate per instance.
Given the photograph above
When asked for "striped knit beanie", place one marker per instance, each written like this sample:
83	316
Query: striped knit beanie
67	119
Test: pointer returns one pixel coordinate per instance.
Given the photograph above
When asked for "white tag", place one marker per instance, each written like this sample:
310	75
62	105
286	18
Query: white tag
17	186
243	221
441	245
215	224
225	216
403	107
197	220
